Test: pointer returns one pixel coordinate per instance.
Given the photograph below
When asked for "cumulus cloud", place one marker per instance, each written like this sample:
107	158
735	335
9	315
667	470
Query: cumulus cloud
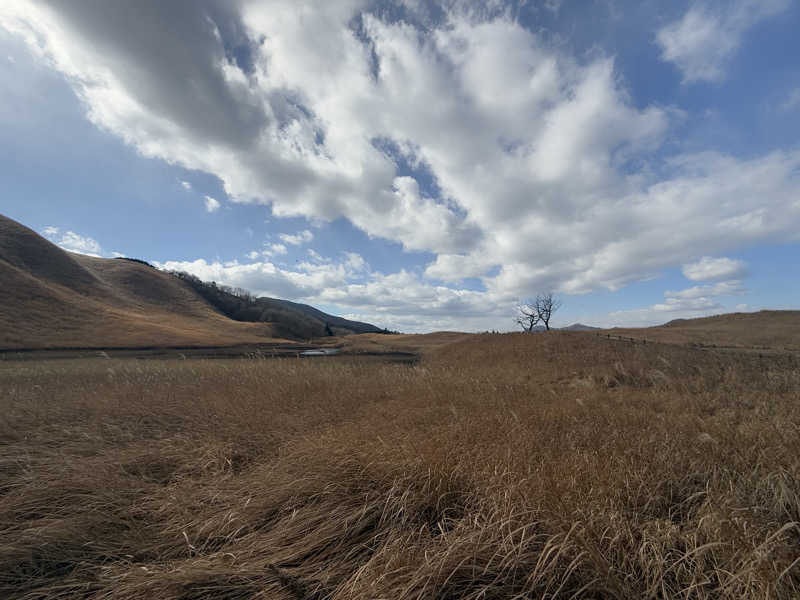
316	256
456	132
724	288
709	269
73	242
212	204
186	185
702	41
267	251
695	301
398	300
297	239
699	298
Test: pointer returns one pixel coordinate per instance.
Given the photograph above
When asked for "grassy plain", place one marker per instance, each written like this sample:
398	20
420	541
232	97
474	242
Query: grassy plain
560	465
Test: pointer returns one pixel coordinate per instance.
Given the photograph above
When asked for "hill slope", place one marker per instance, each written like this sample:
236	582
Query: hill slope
50	298
291	320
333	321
778	329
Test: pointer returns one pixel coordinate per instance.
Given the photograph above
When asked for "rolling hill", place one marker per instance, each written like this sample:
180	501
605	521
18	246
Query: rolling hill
50	298
773	329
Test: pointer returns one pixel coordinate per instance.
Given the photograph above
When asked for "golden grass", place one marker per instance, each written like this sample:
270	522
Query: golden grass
379	343
38	314
767	329
501	466
50	298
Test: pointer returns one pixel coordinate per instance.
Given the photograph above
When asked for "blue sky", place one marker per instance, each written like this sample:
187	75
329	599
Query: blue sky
420	165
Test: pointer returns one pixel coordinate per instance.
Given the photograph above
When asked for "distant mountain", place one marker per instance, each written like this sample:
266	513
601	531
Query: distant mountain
580	327
50	298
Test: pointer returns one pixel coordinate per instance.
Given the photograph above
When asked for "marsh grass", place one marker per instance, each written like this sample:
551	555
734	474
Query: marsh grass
501	466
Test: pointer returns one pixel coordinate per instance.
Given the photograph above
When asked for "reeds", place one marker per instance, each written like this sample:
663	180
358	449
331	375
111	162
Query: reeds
474	474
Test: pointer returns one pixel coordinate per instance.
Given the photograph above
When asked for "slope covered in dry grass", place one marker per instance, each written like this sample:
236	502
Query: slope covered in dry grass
501	466
50	298
766	329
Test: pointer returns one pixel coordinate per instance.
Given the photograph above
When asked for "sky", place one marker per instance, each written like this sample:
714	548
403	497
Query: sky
415	164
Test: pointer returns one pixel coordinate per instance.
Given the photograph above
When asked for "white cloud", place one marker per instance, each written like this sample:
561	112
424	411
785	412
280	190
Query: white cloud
696	301
709	269
302	237
702	42
399	300
733	287
688	305
299	131
267	251
212	205
547	175
355	261
316	256
186	185
71	241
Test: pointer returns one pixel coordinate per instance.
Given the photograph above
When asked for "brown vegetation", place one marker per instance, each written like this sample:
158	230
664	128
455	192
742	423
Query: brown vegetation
50	298
767	329
501	466
375	343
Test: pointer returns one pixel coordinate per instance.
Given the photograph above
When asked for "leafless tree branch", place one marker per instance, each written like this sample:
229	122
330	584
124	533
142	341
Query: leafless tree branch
538	310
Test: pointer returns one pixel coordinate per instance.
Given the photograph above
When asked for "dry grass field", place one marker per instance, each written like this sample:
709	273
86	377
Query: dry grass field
559	465
376	343
766	329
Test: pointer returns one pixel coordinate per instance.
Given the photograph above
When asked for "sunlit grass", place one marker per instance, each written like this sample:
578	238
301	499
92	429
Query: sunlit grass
507	466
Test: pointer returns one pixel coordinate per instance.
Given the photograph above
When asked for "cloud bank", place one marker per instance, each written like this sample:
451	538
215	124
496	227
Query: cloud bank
457	132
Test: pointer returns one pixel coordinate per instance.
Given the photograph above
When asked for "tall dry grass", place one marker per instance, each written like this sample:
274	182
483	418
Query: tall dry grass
507	466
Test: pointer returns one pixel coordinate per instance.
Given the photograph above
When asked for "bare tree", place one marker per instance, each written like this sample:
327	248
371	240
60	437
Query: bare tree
538	310
527	317
546	305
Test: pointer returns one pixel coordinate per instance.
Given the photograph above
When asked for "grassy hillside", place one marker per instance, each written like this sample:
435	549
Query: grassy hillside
54	299
336	323
289	319
502	466
775	329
